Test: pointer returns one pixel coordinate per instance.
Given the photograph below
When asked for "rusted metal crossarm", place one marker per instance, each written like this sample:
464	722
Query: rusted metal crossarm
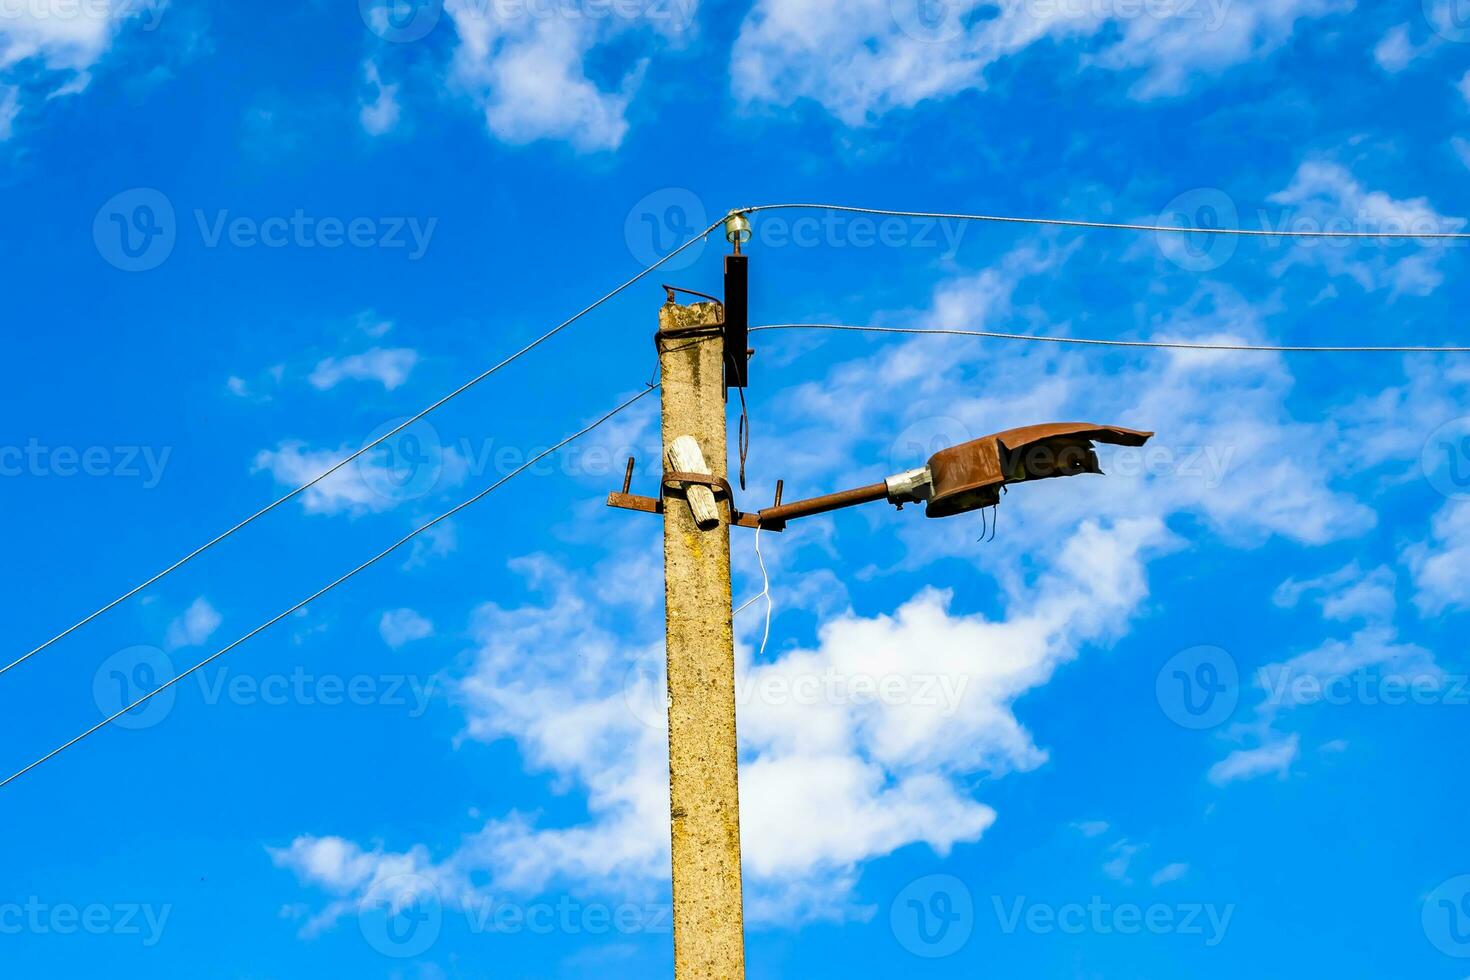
955	480
675	483
821	505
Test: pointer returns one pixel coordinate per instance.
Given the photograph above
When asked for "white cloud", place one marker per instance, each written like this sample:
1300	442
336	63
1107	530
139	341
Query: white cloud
195	626
375	482
1273	757
1441	565
390	367
438	541
1121	858
9	110
1325	195
1228	449
331	862
1387	429
574	679
346	870
527	71
861	59
1174	50
1091	828
1168	873
1303	679
1461	147
378	111
292	464
1348	593
1464	87
1394	52
373	325
585	704
400	626
51	45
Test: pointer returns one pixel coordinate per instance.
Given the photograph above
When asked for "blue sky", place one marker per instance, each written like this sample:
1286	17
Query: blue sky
1199	717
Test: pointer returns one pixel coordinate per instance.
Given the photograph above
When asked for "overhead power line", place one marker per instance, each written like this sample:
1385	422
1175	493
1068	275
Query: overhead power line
343	462
328	588
699	236
1124	226
1164	344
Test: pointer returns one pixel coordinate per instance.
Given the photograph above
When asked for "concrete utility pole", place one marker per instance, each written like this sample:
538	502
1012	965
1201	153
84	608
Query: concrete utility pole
703	771
701	352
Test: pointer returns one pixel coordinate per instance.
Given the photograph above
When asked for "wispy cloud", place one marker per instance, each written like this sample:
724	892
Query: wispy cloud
51	46
1168	873
862	59
400	626
378	109
1272	758
1328	196
195	626
389	367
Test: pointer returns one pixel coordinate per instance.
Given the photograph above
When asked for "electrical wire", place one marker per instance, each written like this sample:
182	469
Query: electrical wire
1005	219
1122	226
1163	344
328	588
343	462
764	593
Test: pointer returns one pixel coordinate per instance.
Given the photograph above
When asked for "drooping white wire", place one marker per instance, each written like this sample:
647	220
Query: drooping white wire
765	591
343	462
329	587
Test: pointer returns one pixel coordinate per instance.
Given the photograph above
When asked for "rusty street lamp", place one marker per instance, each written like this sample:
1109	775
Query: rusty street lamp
970	476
